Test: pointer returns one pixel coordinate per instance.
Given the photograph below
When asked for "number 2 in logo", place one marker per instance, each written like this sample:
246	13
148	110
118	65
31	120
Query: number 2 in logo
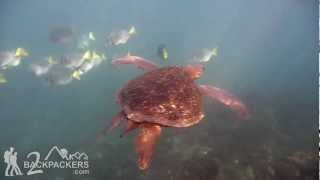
34	164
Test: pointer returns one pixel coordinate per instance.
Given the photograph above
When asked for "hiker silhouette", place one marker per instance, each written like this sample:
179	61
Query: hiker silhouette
10	157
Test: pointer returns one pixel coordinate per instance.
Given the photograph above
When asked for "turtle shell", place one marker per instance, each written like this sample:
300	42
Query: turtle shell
166	96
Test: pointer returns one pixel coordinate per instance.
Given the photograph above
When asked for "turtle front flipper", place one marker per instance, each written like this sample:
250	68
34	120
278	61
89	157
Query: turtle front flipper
139	62
145	144
227	99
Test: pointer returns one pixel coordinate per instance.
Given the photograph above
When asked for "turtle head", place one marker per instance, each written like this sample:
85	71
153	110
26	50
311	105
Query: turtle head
195	71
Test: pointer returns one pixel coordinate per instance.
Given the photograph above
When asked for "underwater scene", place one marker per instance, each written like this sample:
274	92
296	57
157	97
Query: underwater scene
159	89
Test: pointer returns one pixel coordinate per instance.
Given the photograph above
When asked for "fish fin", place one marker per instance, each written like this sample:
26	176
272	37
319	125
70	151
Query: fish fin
94	55
21	52
87	55
76	74
165	55
3	79
92	36
132	30
51	60
215	51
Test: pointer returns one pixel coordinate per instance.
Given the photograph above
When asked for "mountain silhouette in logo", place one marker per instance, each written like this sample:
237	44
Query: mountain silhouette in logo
63	153
78	156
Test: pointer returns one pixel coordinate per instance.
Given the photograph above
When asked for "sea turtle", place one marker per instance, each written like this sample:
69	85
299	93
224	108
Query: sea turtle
164	97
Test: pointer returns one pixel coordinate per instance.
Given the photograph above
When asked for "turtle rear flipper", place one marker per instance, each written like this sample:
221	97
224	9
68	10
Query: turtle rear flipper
145	144
116	120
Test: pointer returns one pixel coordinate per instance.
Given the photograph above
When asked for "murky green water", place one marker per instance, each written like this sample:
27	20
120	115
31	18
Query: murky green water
267	57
